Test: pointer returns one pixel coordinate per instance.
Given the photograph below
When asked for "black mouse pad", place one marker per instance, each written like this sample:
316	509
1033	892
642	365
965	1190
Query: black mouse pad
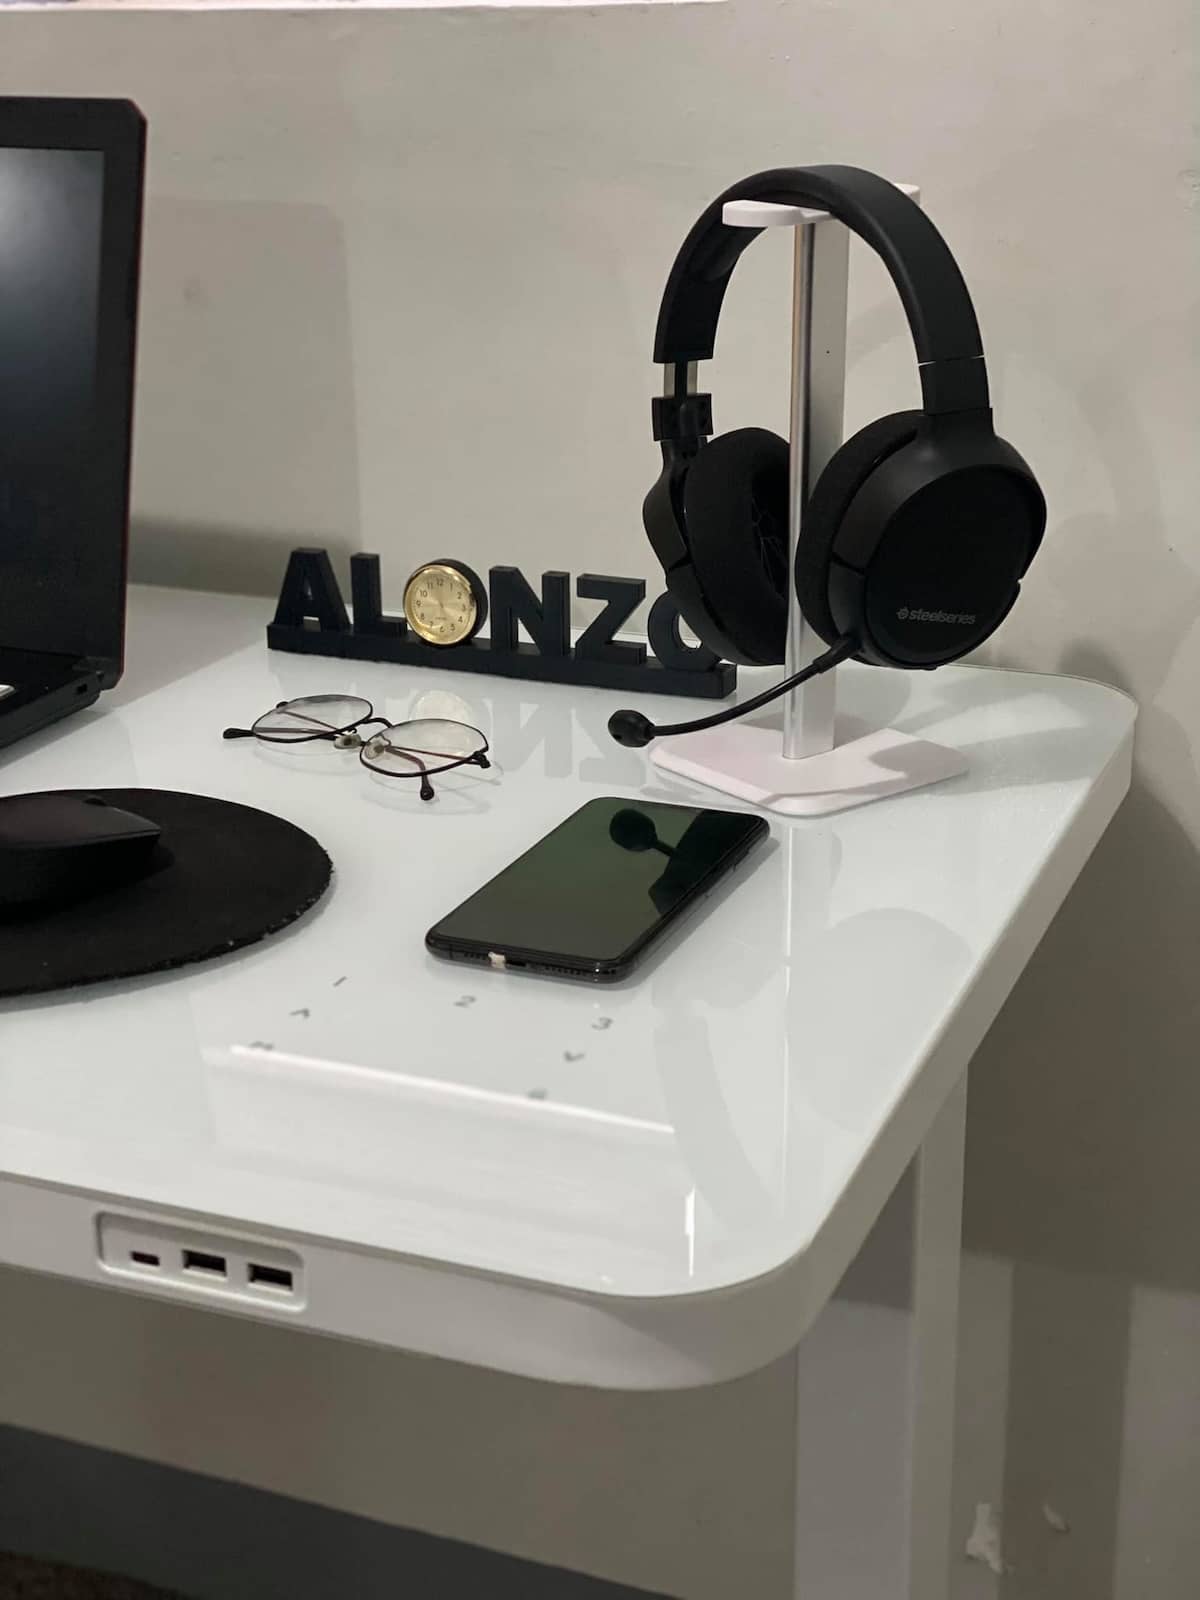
226	876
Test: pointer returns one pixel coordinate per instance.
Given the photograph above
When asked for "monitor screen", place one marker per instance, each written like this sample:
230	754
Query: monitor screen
50	214
69	232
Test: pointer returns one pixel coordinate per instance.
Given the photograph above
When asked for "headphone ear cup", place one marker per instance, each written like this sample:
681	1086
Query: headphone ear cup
735	503
660	521
849	468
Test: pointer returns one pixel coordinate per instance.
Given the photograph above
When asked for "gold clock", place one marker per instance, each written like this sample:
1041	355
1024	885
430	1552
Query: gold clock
445	602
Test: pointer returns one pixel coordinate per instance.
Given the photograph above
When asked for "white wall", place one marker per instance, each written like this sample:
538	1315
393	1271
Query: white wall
401	277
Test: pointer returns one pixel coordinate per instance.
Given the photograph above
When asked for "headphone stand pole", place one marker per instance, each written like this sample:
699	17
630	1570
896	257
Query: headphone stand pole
820	268
808	773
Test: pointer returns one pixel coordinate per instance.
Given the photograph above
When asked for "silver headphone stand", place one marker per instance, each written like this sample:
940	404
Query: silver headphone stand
820	764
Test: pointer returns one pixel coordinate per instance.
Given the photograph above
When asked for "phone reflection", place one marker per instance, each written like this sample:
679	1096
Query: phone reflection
773	1070
703	842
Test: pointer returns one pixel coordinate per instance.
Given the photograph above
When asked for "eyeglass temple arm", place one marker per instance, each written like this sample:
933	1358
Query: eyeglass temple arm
249	733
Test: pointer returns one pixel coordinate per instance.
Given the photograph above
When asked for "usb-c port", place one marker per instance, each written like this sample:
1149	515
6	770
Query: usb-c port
144	1258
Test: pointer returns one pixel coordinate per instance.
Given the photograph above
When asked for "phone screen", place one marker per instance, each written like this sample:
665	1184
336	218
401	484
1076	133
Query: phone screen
594	892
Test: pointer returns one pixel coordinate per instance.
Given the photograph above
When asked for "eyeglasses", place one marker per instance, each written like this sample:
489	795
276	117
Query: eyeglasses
417	749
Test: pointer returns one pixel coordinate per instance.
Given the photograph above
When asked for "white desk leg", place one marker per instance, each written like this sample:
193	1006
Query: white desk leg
875	1396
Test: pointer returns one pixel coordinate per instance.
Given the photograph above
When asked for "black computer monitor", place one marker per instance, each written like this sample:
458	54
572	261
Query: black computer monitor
70	229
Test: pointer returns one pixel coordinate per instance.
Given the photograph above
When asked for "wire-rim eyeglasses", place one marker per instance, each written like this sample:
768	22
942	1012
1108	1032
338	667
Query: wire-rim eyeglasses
419	748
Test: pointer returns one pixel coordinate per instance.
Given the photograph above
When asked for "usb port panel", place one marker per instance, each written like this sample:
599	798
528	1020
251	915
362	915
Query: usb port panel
176	1258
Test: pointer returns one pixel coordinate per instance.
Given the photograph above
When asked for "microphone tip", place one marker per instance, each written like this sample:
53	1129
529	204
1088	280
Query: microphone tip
631	729
633	830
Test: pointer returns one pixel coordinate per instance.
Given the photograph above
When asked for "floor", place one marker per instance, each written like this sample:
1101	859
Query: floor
37	1580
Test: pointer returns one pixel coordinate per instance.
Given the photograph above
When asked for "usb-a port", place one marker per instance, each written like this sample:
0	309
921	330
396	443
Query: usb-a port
271	1277
203	1261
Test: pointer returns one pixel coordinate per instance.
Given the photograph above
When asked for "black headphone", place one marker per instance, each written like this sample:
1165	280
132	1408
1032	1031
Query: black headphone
918	531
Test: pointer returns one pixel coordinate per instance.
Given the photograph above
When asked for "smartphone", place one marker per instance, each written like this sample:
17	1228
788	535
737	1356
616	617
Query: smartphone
595	895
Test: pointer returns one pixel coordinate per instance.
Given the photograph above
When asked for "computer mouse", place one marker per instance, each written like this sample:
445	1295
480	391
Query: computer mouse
59	847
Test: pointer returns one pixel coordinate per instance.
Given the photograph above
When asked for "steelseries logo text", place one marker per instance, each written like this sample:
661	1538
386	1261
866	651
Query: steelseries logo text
961	619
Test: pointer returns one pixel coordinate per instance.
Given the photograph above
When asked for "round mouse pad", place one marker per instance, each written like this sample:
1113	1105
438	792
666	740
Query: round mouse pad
225	876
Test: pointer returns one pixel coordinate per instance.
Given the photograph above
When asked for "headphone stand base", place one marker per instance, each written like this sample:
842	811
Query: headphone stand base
744	759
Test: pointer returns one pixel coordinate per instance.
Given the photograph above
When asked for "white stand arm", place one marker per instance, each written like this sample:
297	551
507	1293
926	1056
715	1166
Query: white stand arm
807	772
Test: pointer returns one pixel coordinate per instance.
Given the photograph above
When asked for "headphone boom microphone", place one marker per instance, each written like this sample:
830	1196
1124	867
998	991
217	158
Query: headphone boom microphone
634	730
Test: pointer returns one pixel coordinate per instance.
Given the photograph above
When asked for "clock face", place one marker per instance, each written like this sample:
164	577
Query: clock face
440	604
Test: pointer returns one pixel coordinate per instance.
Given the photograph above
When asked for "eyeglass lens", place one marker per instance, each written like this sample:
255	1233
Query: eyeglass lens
405	748
313	715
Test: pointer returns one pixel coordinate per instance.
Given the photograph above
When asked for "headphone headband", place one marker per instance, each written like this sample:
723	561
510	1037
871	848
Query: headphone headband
931	288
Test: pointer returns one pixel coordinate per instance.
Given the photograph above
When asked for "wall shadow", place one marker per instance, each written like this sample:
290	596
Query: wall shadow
246	413
1085	1095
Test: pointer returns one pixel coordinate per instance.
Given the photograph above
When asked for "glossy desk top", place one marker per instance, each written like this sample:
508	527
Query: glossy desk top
687	1132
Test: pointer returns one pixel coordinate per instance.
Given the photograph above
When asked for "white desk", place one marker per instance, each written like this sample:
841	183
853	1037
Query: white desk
651	1186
